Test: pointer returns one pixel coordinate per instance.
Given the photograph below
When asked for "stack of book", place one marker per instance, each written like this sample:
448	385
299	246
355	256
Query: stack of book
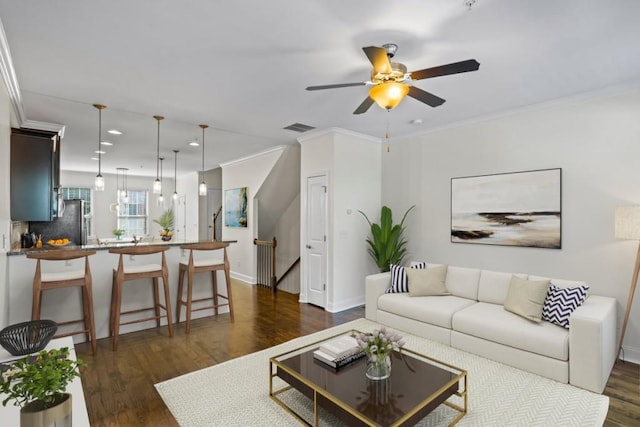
339	351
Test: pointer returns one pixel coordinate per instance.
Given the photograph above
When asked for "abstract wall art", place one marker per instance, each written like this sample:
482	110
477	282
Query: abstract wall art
512	209
235	207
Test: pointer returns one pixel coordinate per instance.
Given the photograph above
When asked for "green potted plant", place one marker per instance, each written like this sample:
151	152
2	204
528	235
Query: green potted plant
118	232
38	385
387	244
166	222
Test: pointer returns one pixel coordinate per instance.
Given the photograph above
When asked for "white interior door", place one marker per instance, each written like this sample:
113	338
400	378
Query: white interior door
316	246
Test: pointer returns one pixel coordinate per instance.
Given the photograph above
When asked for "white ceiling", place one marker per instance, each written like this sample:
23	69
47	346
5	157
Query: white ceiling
242	67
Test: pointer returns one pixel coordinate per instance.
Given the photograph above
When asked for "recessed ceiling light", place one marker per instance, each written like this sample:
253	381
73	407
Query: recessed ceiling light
94	158
194	144
106	143
114	132
100	152
416	122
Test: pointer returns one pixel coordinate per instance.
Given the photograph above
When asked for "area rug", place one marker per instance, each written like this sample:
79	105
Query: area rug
236	392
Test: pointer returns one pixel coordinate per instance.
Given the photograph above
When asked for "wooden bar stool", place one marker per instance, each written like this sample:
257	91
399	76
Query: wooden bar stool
80	278
133	272
200	266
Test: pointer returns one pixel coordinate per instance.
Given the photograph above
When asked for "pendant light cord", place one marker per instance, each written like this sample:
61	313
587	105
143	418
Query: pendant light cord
203	154
158	151
175	171
99	138
386	134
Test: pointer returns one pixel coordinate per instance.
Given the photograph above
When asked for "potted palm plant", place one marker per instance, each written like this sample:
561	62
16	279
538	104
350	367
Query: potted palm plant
38	385
166	222
387	245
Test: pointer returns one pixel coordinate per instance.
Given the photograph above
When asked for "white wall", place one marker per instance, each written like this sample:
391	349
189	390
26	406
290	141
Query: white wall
596	142
104	221
5	245
287	231
249	172
351	162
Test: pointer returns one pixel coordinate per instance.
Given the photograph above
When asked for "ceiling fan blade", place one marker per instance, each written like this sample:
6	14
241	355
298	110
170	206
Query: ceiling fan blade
336	86
362	108
445	70
426	97
379	59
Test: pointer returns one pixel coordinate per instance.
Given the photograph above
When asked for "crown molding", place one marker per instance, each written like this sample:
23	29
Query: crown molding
253	156
312	134
13	89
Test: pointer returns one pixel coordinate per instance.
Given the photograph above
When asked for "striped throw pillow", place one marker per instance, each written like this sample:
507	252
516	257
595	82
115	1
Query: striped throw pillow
560	303
399	279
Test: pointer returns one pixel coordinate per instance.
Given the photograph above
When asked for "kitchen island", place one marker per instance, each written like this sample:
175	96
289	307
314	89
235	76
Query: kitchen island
64	304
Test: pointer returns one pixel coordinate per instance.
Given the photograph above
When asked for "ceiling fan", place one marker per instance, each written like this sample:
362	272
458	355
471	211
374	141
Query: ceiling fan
390	82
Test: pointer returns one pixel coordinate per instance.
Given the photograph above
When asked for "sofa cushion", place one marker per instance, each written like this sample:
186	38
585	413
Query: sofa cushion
399	280
561	302
494	285
463	282
526	297
427	282
491	322
434	310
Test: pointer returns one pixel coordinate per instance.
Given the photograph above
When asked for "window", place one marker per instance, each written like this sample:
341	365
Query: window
82	193
132	217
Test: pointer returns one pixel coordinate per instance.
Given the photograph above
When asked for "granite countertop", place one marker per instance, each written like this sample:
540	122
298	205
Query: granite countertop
102	246
105	246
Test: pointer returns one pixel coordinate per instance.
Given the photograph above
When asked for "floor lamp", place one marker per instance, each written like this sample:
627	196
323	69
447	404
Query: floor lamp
627	226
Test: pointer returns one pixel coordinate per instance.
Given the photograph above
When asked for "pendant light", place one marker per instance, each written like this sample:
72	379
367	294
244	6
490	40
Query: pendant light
98	184
161	197
202	188
125	191
119	192
157	184
175	176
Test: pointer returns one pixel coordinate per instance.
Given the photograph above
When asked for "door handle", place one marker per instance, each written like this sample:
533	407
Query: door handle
308	246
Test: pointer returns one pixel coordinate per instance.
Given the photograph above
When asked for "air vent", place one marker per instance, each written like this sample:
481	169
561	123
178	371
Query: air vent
299	127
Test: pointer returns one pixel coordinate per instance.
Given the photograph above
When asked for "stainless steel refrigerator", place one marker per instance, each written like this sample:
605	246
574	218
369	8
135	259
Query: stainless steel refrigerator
71	224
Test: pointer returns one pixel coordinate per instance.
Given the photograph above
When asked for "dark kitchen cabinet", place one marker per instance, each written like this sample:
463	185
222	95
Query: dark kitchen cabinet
35	174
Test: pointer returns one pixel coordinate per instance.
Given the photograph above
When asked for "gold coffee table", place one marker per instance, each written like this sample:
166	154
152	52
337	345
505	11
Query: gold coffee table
418	384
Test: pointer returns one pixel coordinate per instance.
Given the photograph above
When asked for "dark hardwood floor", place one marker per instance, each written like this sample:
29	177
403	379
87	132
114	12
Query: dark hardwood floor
119	389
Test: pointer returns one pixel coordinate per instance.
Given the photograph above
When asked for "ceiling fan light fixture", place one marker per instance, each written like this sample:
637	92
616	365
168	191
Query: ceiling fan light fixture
388	95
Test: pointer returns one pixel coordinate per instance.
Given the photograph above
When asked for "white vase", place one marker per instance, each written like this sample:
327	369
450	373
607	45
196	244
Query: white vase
36	414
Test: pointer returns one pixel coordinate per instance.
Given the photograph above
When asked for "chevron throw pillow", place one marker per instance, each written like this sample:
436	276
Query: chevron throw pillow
561	302
399	279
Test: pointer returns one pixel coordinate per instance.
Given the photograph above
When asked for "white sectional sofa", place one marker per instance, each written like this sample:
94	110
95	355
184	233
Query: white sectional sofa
473	319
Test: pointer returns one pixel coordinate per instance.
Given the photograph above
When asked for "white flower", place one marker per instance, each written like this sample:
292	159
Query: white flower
10	372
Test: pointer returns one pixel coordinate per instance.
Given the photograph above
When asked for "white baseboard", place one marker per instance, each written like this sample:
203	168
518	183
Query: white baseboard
630	354
345	305
243	277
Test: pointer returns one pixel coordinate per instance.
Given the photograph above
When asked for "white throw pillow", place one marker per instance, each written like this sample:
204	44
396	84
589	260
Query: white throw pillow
526	297
428	282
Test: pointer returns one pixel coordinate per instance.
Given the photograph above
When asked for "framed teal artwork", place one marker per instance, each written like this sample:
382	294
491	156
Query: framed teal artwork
235	207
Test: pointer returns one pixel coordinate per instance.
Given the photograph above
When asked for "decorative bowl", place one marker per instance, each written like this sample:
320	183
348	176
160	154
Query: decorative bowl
61	242
27	337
